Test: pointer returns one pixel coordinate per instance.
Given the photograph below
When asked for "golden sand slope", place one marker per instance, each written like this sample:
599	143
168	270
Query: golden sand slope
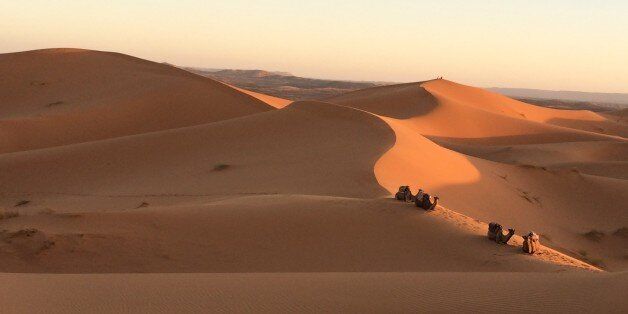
315	293
62	96
256	233
271	100
484	100
561	204
439	109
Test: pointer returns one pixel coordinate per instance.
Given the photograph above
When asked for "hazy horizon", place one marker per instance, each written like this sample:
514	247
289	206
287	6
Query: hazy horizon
562	46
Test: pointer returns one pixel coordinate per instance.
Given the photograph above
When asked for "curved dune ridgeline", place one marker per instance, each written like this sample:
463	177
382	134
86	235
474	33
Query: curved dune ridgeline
557	201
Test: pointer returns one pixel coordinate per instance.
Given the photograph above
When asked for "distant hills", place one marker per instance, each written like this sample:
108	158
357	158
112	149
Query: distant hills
567	99
288	86
282	84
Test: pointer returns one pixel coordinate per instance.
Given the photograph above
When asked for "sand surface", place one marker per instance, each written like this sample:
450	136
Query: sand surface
315	293
113	166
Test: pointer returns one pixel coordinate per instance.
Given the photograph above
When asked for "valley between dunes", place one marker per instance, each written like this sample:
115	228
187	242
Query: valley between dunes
231	200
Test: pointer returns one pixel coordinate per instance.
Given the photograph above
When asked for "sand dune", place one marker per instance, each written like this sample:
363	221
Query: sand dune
488	190
307	148
603	158
432	112
261	233
315	292
112	164
496	103
62	96
271	100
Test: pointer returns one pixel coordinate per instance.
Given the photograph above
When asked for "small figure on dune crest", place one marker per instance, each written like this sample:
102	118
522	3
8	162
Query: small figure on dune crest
496	233
404	194
531	243
425	201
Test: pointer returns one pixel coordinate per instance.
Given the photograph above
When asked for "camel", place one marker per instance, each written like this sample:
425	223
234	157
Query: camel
404	194
531	243
419	195
495	233
425	201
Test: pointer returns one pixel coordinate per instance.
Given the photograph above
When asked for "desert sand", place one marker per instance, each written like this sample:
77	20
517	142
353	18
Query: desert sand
230	200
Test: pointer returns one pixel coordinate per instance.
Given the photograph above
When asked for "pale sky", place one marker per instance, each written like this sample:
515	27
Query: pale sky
547	44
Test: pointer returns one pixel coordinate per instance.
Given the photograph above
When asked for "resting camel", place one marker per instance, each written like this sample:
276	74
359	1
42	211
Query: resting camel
425	201
404	194
531	243
495	233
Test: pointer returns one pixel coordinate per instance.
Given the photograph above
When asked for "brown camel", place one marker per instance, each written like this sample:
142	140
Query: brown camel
425	201
495	233
405	194
531	243
403	191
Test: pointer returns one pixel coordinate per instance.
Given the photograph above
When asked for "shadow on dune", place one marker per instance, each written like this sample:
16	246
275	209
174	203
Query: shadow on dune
305	148
607	127
524	139
403	101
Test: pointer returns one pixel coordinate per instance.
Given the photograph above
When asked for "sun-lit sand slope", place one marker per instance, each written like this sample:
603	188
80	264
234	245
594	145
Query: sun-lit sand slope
496	103
562	203
271	100
445	109
258	233
141	167
61	96
307	148
315	293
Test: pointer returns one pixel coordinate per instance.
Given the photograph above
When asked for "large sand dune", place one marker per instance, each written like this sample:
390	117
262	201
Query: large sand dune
63	96
559	202
142	167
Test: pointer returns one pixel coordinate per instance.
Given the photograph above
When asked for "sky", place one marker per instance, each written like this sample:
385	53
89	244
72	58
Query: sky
546	44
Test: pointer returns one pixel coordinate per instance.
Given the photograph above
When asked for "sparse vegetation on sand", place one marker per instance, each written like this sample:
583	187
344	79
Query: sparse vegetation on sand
594	235
220	167
621	232
56	103
143	204
22	203
9	214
